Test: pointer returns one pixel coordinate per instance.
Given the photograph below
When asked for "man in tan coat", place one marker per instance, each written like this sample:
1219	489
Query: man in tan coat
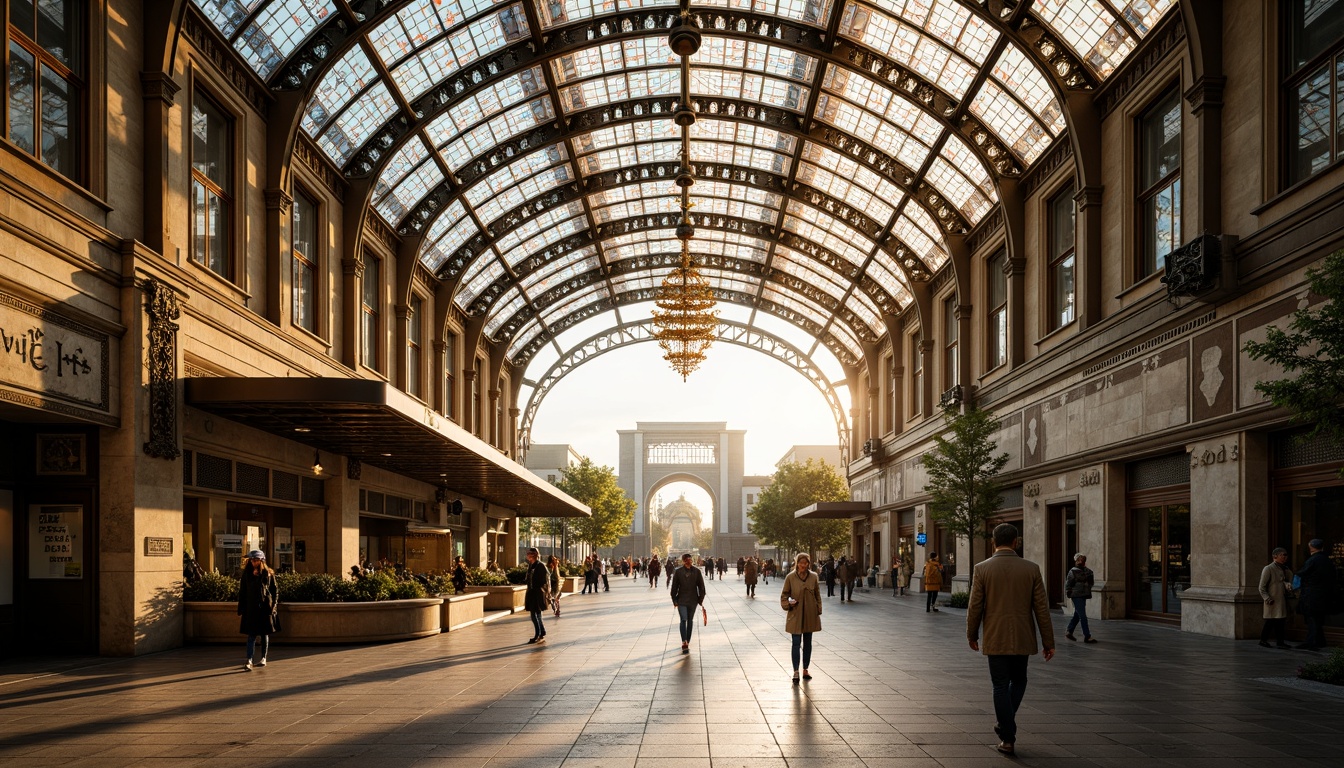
1008	595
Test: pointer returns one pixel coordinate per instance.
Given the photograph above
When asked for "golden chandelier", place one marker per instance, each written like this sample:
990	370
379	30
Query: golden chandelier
686	319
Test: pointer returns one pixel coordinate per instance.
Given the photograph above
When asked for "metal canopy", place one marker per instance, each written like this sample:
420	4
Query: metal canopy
379	425
834	510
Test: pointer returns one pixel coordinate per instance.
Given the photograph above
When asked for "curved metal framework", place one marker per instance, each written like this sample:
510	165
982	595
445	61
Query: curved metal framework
642	331
521	149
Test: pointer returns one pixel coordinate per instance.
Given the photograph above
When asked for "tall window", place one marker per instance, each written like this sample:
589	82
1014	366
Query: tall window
1160	181
1062	260
916	373
889	364
369	313
1314	85
476	426
415	340
303	303
996	285
449	381
211	184
45	84
950	347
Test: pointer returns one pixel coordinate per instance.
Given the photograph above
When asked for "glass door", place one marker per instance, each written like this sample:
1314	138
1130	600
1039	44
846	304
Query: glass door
1159	558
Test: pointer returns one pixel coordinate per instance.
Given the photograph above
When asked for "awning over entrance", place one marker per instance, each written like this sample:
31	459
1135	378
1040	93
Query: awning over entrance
834	510
383	427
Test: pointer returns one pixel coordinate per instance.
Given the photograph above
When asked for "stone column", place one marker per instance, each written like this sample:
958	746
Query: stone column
1229	508
341	548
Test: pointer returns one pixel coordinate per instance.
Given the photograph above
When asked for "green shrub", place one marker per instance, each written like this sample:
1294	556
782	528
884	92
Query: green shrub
479	577
440	584
212	588
1329	671
959	600
408	590
311	588
516	575
377	585
571	569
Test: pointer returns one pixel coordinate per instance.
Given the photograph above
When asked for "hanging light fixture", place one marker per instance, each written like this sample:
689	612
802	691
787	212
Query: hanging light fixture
317	462
686	319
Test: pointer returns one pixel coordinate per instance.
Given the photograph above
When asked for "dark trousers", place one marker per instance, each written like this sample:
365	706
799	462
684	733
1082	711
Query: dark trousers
1276	627
687	613
1315	629
805	641
830	589
1009	677
606	585
538	629
847	591
930	601
252	646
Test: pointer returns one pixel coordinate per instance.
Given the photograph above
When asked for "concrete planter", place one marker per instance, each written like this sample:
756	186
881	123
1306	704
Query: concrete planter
570	584
506	598
462	610
322	623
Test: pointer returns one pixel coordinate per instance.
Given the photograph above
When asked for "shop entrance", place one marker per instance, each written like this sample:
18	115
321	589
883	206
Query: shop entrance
1159	559
1308	503
1061	545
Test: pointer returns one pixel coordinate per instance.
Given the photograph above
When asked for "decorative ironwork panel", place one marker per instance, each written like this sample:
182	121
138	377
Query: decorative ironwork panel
1159	472
161	306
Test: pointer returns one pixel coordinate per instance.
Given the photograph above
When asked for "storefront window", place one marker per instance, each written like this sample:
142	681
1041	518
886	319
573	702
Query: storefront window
1160	537
1312	513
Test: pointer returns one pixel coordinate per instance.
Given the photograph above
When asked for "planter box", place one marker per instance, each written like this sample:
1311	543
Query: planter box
571	584
506	598
322	623
462	610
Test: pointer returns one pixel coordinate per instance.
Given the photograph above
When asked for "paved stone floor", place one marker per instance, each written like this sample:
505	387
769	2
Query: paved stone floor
893	687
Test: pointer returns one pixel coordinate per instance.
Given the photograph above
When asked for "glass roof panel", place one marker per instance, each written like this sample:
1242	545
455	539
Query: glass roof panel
484	104
746	86
403	197
557	12
1091	30
807	11
356	124
505	308
842	166
275	32
917	218
867	312
638	281
606	58
709	129
1142	15
722	280
495	131
736	154
924	246
347	77
547	225
946	20
953	185
515	172
781	295
907	45
560	270
719	206
959	153
599	91
1021	77
751	56
886	274
847	339
827	231
419	23
870	111
523	337
402	162
575	301
463	229
867	199
1010	121
440	59
226	15
485	271
810	271
525	190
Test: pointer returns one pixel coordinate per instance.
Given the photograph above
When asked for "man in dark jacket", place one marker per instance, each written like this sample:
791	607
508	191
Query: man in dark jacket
688	592
538	596
1317	577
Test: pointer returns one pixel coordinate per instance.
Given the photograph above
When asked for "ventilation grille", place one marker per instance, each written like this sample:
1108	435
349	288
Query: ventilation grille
214	472
286	486
313	491
376	503
1159	472
1150	343
188	459
1295	449
1012	498
253	480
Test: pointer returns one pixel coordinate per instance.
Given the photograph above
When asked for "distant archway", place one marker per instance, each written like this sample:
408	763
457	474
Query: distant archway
648	508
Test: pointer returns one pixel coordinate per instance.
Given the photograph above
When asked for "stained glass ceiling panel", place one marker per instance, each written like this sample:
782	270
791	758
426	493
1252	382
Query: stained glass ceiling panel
557	12
226	15
275	32
807	11
1092	30
932	58
346	78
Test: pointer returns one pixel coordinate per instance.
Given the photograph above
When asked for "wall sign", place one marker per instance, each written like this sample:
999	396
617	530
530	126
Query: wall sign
158	546
921	539
56	541
52	357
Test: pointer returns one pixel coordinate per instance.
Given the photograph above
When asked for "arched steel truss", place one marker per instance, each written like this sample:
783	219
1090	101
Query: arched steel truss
642	331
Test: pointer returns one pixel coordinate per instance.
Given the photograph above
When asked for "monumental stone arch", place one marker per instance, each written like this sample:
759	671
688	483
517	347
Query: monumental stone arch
704	453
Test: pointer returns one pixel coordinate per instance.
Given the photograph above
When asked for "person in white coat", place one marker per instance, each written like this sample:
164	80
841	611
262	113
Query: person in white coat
1274	581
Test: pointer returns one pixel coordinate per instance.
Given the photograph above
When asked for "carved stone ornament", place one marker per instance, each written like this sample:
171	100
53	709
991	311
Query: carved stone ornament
161	306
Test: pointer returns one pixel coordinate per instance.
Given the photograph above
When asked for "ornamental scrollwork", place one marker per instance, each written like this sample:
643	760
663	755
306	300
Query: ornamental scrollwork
162	309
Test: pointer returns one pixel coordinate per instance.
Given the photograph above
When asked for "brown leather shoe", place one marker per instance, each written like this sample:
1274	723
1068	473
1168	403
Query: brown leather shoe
1006	748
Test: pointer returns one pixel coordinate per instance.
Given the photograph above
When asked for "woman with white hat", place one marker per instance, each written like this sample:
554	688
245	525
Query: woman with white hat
258	599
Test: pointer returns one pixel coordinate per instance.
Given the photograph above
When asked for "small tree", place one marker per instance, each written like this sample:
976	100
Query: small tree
1311	351
658	538
704	541
963	472
793	487
613	511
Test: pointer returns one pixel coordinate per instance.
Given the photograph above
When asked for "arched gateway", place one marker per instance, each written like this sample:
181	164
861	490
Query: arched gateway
706	453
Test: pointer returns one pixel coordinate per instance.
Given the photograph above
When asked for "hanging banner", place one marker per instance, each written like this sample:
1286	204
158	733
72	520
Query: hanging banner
55	542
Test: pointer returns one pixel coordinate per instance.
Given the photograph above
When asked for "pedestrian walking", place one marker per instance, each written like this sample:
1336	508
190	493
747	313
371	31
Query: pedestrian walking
688	593
553	571
828	575
846	572
1317	580
933	582
872	576
655	570
460	576
258	602
1275	581
749	569
538	597
722	566
741	566
1078	588
1008	595
602	568
903	575
801	600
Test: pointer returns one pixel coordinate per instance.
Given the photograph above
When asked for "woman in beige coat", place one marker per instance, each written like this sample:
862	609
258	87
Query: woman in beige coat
933	582
801	598
1274	586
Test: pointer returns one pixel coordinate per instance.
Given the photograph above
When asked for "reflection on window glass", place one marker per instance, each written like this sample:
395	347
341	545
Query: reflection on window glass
304	306
1314	65
370	309
1160	182
1063	214
996	292
212	184
44	89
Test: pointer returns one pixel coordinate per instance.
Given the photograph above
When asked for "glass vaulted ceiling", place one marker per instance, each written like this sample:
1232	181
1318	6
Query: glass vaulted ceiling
574	219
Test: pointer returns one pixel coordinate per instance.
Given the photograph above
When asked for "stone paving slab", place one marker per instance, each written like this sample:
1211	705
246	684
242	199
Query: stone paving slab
893	687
